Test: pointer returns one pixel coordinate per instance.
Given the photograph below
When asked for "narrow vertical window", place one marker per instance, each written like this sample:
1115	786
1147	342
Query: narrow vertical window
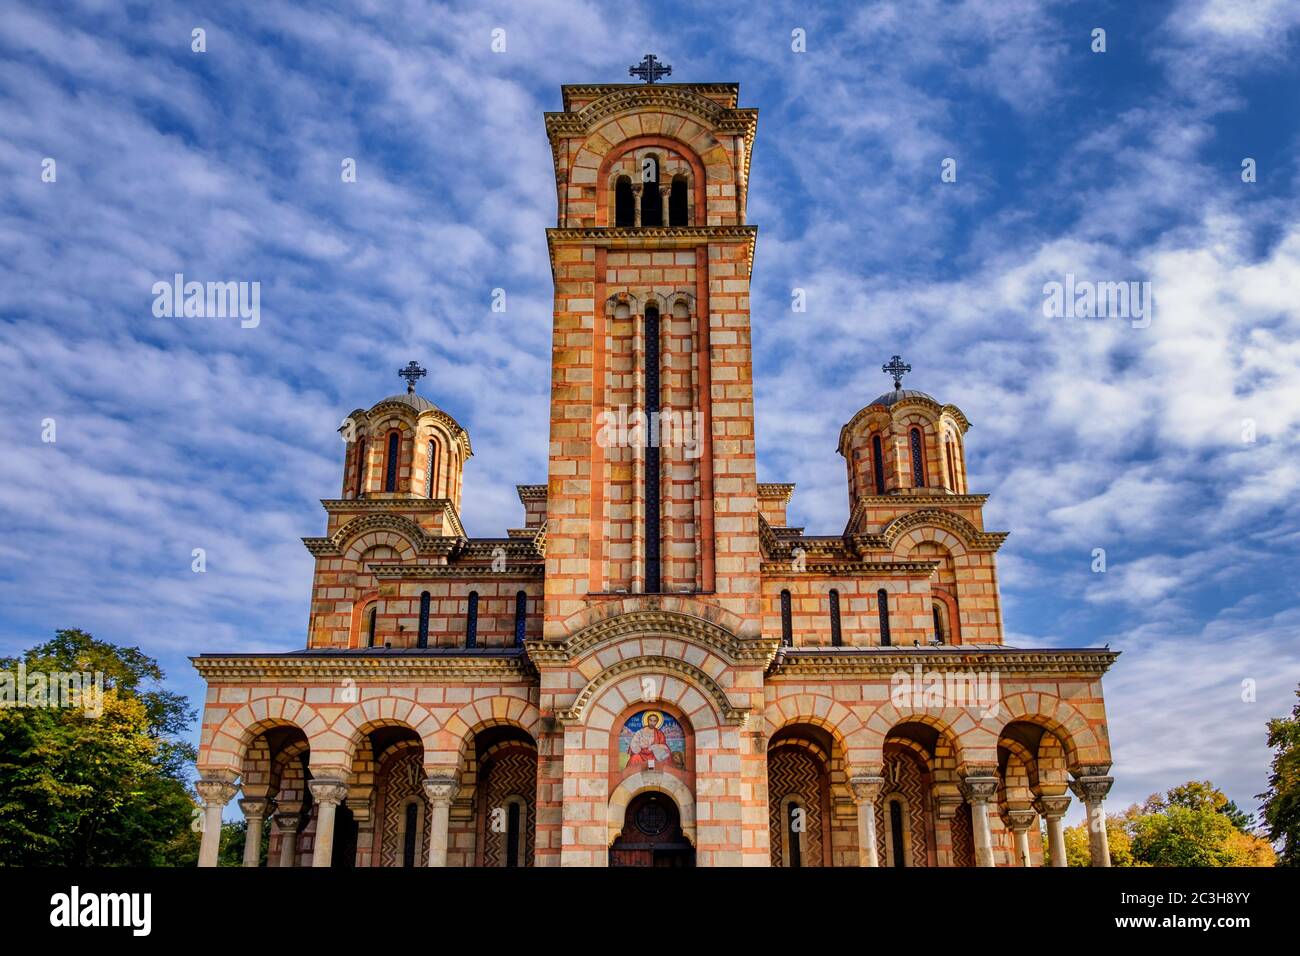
521	617
678	209
787	628
953	479
431	465
792	834
361	468
837	637
918	460
409	835
896	833
652	203
512	834
882	604
878	464
652	579
371	620
423	639
390	473
938	625
471	620
624	203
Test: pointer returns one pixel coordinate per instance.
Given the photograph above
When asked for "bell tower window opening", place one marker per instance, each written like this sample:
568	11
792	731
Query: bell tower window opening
431	464
678	208
652	476
390	469
361	468
652	202
918	460
878	464
624	203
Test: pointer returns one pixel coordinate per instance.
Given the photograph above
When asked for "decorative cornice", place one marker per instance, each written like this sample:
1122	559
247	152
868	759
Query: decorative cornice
494	665
531	570
771	490
440	546
884	662
851	567
730	713
531	492
669	237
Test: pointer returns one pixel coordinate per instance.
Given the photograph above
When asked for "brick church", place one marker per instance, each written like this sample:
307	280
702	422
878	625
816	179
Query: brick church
655	668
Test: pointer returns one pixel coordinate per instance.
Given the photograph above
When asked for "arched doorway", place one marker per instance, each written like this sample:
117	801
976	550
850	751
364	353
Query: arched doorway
652	834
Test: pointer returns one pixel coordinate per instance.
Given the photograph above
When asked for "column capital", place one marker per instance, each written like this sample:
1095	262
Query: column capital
332	792
979	788
1053	808
287	821
255	807
866	788
216	792
441	787
1019	821
1091	789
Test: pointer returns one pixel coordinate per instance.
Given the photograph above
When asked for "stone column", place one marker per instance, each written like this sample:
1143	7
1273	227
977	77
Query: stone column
328	794
978	791
1053	811
1092	791
866	791
255	811
665	191
215	793
441	790
636	203
286	822
1019	822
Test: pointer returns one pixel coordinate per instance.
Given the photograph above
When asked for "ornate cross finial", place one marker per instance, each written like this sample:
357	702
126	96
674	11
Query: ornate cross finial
650	69
412	373
897	368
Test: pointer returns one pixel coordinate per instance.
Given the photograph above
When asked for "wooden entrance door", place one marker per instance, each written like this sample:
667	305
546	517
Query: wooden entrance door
652	835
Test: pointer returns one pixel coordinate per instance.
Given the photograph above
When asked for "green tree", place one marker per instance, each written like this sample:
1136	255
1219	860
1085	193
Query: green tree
1077	852
80	789
1281	810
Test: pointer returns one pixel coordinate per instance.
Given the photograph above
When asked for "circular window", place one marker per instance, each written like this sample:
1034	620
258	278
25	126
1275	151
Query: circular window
651	819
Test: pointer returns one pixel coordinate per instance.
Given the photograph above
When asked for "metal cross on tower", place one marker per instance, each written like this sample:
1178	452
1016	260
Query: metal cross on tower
412	373
650	69
897	368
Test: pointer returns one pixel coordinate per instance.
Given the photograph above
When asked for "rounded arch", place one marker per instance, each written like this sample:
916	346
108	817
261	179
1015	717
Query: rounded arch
845	728
701	698
684	152
357	722
453	741
664	616
954	724
931	524
641	782
368	531
228	748
1081	744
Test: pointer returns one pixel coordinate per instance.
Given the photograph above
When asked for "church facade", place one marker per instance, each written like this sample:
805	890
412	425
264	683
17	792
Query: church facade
655	668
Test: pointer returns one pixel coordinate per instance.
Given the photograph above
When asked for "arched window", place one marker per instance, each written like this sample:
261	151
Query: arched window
678	209
390	470
837	638
652	579
938	625
878	464
787	628
431	465
794	818
624	203
918	460
423	639
372	618
521	617
471	620
896	841
882	604
652	203
512	832
410	833
361	468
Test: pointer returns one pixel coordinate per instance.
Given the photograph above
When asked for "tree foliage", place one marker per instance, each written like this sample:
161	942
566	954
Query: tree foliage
1281	810
78	789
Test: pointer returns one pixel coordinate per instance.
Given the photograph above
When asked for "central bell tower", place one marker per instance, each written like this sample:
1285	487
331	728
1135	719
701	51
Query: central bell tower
651	481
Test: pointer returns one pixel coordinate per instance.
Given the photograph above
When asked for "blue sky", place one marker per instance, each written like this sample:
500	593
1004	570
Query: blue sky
175	434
